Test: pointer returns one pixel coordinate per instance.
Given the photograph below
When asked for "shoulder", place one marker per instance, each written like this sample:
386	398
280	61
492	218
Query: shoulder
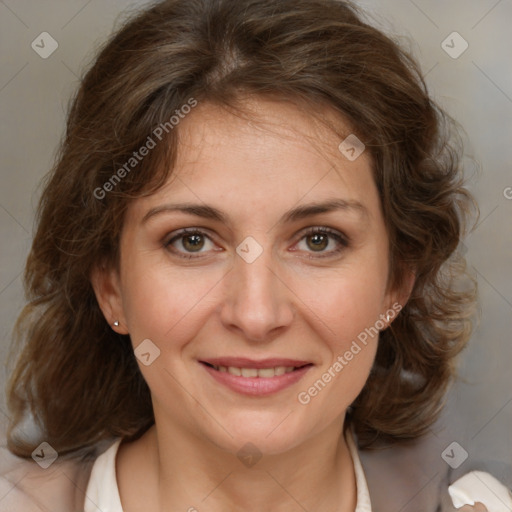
27	487
417	475
413	471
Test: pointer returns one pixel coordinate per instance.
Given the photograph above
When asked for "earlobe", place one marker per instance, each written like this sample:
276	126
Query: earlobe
407	287
399	297
105	283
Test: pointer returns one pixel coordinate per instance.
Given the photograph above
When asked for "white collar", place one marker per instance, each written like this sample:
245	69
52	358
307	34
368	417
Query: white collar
102	494
363	503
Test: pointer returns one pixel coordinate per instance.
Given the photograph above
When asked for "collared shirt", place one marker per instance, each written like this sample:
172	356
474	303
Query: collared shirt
103	493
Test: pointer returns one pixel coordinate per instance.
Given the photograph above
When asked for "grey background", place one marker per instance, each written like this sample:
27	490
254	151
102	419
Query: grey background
475	88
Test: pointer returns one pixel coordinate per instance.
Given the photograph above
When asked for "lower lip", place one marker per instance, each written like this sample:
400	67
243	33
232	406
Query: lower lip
257	386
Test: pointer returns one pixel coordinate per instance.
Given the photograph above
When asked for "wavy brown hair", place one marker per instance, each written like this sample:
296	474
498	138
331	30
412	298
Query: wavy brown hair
74	375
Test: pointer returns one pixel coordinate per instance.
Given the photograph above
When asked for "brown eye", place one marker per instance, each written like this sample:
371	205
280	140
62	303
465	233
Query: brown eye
323	241
193	243
188	242
317	241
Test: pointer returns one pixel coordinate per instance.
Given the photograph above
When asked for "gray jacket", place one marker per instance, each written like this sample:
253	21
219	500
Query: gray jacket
412	477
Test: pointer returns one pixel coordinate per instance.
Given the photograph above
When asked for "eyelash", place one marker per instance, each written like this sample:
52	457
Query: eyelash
341	239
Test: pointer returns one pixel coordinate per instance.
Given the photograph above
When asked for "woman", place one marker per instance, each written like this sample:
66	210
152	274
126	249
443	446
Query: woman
245	263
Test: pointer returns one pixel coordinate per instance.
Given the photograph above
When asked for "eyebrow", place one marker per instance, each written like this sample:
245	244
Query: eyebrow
295	214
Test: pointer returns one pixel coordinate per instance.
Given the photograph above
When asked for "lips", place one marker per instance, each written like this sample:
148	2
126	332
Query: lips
242	362
253	377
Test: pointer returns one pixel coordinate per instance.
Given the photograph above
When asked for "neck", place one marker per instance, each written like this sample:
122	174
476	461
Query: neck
194	475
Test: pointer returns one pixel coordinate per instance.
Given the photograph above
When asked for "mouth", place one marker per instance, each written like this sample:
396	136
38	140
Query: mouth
256	378
251	372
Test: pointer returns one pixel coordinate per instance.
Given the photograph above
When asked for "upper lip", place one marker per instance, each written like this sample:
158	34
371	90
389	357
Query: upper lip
243	362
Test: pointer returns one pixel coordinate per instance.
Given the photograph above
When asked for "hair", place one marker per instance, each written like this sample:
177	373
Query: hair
79	379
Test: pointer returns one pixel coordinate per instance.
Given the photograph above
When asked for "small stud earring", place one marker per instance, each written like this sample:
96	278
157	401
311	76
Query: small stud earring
116	323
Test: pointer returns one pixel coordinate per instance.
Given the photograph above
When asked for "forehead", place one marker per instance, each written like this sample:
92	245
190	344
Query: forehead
272	154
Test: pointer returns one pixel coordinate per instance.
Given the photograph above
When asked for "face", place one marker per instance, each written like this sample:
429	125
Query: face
251	295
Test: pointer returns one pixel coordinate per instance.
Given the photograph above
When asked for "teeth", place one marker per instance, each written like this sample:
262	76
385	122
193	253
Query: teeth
264	372
249	372
256	372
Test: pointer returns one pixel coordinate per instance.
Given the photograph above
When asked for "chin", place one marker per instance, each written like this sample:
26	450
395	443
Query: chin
273	435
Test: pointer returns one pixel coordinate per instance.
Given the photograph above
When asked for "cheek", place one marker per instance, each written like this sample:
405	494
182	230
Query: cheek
345	318
159	301
347	302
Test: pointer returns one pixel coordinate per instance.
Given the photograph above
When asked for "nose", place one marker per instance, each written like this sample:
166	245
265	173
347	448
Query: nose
258	302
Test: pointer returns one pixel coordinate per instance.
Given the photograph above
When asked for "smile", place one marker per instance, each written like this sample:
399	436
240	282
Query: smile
256	381
263	373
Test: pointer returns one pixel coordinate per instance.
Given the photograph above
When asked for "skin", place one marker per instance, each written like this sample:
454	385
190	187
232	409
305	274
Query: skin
290	302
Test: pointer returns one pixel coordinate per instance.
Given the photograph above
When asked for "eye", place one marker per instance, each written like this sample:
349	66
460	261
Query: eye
194	243
188	242
320	239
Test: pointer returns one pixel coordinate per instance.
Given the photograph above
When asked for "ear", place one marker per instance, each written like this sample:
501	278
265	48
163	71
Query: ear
106	285
398	298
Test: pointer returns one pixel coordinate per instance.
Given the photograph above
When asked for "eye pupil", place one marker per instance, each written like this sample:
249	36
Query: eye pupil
319	241
193	242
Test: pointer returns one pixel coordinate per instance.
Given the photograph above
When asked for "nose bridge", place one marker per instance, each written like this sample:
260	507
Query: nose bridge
257	301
